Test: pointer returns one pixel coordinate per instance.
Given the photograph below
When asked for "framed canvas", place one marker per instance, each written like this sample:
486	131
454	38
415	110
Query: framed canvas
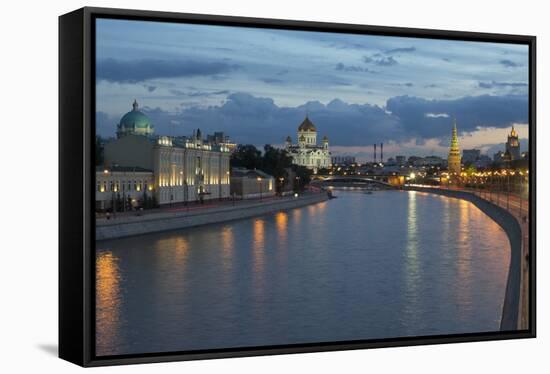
236	186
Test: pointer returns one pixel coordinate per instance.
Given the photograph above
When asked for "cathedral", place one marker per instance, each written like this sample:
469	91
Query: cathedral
307	153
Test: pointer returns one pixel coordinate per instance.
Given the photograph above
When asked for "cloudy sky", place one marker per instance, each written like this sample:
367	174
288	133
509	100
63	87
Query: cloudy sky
257	85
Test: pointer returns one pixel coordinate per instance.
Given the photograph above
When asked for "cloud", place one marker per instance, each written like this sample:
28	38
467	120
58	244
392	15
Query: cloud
494	84
436	115
272	80
380	61
121	71
352	68
404	120
509	63
400	50
195	93
471	113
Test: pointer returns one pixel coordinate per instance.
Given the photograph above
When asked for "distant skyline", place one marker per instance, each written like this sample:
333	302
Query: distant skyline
257	85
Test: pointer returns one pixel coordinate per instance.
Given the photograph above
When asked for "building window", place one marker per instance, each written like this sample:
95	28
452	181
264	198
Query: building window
99	187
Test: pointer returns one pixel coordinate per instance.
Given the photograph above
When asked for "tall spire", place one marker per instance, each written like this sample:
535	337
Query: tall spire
454	138
454	159
135	105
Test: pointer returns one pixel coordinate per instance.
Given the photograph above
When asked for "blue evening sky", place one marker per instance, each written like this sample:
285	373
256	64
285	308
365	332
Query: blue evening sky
257	85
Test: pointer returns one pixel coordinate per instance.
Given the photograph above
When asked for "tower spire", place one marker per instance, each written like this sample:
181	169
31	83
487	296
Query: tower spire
135	105
454	159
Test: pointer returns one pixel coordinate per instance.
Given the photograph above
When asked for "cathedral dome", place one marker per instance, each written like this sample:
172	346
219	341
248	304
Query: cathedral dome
135	122
307	125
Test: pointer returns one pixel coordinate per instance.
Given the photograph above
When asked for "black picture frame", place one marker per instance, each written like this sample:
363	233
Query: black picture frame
76	184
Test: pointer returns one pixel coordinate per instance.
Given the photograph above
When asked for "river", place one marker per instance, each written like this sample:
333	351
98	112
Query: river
388	264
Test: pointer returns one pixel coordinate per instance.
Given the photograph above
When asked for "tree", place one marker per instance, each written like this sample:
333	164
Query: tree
276	162
246	156
303	176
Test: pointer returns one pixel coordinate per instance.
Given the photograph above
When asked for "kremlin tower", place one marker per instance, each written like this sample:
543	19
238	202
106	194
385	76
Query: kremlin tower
453	161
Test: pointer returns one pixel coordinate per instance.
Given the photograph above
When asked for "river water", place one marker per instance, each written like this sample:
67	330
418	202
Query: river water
389	264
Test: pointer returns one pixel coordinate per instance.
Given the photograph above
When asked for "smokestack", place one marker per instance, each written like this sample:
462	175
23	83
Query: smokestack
375	152
381	152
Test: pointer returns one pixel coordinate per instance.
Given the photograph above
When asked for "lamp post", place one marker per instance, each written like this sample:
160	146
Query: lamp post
259	179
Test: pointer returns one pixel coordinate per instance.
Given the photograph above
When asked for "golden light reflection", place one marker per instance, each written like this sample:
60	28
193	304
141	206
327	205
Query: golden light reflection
464	245
181	249
228	244
412	275
259	244
281	223
107	301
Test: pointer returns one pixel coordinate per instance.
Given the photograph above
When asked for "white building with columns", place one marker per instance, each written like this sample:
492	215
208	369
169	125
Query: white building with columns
184	169
307	152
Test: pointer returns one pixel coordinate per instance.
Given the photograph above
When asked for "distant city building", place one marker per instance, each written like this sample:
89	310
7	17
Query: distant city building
343	160
453	160
400	160
412	159
483	161
184	168
307	153
219	138
429	161
251	184
513	146
499	156
470	155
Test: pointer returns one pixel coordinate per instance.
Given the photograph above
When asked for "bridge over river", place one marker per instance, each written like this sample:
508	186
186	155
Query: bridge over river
374	181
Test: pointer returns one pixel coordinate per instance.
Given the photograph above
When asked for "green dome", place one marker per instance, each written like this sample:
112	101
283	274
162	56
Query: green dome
135	119
135	122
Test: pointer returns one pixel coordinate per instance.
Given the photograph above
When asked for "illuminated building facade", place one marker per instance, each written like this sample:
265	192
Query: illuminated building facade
185	169
513	145
307	152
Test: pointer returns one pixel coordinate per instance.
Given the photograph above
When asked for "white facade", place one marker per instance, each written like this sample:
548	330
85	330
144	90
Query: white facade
307	153
182	169
190	171
131	185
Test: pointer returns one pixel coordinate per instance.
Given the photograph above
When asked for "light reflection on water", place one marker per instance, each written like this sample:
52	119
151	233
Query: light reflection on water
361	266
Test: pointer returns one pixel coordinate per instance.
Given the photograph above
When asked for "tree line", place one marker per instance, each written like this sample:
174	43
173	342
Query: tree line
273	161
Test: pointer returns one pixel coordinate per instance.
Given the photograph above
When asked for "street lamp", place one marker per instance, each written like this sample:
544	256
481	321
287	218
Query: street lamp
259	179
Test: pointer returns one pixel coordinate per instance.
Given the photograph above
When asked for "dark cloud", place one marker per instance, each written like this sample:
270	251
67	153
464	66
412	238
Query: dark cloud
406	84
509	63
194	93
151	88
470	112
256	120
380	61
352	68
141	70
400	50
494	84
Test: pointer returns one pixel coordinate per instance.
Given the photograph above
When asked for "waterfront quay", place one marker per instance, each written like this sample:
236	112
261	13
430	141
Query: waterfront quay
516	225
191	215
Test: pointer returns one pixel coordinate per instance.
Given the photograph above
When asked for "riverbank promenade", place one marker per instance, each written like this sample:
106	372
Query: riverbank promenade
123	224
518	206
